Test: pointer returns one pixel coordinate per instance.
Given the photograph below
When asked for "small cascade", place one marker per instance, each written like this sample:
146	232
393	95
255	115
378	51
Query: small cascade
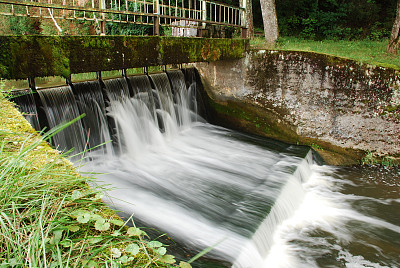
116	89
183	98
27	105
163	96
60	107
288	201
90	102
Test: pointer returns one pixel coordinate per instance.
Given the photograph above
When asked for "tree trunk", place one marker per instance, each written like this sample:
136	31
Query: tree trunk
249	19
394	37
268	10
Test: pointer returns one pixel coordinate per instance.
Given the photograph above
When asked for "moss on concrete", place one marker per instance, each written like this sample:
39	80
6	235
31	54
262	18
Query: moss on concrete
39	56
249	118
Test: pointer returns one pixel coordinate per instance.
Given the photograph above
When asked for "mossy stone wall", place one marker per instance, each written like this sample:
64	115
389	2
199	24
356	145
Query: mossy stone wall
22	57
340	107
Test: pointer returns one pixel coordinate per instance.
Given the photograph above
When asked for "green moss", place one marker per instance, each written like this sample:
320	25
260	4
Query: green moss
391	108
40	56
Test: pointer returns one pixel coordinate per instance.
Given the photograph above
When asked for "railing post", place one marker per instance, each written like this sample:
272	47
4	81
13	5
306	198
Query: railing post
32	84
203	12
243	28
102	5
156	22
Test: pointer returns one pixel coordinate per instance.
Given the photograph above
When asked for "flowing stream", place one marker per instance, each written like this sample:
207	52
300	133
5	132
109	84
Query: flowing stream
257	202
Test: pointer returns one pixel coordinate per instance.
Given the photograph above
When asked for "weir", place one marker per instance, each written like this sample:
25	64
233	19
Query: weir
201	184
257	202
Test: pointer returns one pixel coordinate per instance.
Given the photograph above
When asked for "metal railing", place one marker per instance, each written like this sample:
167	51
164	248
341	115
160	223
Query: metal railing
195	14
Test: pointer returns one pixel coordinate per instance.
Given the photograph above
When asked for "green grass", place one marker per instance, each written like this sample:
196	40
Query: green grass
49	217
366	51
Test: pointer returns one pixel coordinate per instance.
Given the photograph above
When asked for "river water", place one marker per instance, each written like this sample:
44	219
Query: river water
259	203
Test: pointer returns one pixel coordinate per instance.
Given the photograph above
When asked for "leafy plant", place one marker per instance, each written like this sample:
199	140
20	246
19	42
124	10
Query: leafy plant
369	159
389	161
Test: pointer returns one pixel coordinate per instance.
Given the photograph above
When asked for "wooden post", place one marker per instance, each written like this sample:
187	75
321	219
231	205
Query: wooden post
32	84
68	81
102	5
246	17
156	12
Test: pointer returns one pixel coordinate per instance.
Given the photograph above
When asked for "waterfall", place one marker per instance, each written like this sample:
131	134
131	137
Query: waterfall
202	184
90	102
27	105
259	203
116	89
60	107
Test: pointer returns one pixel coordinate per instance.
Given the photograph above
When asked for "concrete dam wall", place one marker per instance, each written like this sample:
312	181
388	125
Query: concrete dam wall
340	107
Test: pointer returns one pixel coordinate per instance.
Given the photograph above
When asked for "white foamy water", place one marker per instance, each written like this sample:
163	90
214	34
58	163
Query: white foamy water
260	202
328	230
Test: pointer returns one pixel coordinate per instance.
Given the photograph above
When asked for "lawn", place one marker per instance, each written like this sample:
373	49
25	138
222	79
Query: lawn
366	51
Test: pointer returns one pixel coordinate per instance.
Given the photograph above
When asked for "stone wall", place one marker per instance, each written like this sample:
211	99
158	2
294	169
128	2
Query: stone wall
40	56
336	105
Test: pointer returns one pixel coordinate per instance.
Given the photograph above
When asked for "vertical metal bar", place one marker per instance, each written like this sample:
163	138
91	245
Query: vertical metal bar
221	11
183	9
135	9
169	11
190	6
215	12
127	9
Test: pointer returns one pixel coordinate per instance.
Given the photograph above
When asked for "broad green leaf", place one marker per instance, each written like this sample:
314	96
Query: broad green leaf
91	264
168	259
117	222
154	244
132	249
161	251
133	231
183	264
85	218
124	259
98	196
66	243
102	225
116	253
57	234
76	194
97	217
95	240
79	212
116	233
73	228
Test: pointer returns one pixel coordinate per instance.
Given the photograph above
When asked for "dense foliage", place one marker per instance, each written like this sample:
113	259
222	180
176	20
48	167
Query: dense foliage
332	19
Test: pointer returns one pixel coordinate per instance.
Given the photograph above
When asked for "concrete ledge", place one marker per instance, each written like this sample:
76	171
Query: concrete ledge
342	108
22	57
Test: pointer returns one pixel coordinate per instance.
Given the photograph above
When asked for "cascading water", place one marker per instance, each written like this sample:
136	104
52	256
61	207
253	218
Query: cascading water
60	107
90	101
260	203
27	105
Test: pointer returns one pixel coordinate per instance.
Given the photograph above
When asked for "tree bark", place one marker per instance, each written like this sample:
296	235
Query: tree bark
270	19
394	37
249	19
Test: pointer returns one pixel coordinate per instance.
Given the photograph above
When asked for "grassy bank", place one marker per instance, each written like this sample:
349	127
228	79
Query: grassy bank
49	217
366	51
